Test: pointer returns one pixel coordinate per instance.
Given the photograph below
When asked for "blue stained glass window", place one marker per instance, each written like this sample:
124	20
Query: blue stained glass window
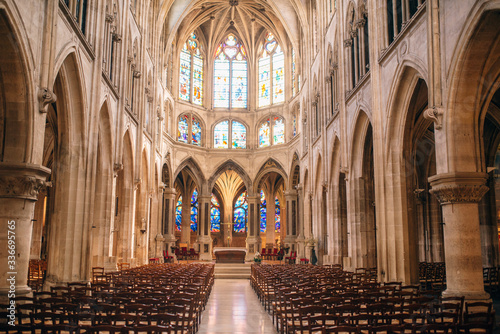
264	134
196	140
221	135
185	74
277	215
178	214
264	81
230	74
238	135
215	215
240	213
294	83
278	131
263	211
182	129
194	211
294	125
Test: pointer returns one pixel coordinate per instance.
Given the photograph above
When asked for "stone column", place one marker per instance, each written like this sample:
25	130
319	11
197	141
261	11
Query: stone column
20	184
301	252
253	237
204	238
38	222
186	219
292	218
168	217
459	194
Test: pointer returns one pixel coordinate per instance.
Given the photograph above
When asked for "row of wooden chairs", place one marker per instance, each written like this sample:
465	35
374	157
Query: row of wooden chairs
314	299
128	301
36	274
432	275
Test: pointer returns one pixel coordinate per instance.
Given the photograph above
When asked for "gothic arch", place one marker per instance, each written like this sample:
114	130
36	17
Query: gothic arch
194	170
270	165
230	165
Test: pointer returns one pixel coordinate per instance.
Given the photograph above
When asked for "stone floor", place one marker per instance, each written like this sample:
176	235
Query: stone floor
233	308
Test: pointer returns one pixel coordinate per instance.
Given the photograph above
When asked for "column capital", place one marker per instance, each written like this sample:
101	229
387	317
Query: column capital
290	194
459	187
22	180
170	191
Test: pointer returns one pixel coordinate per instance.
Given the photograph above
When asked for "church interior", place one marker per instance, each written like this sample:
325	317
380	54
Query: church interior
314	137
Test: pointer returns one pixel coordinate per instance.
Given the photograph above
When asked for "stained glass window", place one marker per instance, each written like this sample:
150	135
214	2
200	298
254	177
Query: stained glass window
240	213
278	131
271	86
221	135
178	214
294	125
191	71
264	134
189	130
215	215
185	74
230	74
194	211
263	211
196	140
238	135
277	215
279	75
182	129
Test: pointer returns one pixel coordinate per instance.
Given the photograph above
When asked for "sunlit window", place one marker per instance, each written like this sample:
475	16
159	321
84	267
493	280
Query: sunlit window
189	130
230	74
191	71
271	88
263	212
178	214
233	132
277	215
194	211
273	127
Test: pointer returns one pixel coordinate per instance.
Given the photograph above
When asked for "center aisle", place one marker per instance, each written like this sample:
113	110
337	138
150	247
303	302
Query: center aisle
233	307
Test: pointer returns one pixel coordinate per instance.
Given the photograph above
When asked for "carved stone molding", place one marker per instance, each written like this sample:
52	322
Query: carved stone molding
435	114
137	74
45	96
460	187
110	18
347	43
23	181
117	167
117	38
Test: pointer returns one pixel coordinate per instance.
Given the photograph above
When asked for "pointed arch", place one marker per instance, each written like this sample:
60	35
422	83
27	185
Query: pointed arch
271	165
194	170
234	166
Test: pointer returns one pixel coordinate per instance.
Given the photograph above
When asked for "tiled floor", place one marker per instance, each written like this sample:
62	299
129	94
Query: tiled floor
233	308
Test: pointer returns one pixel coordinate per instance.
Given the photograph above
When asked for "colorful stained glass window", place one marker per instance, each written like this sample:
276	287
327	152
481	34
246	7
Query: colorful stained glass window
197	78
239	84
191	72
182	129
221	135
279	75
294	83
277	215
271	85
185	74
263	211
215	215
230	74
178	214
240	213
196	140
238	135
264	134
194	211
278	131
294	125
264	81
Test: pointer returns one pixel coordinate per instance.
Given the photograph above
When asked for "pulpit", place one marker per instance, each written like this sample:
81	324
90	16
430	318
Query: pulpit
230	255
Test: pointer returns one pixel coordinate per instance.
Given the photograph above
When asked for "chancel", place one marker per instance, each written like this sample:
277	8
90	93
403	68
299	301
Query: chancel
346	151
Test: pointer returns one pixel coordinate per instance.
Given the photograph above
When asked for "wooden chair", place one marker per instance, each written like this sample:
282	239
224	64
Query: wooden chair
167	258
292	258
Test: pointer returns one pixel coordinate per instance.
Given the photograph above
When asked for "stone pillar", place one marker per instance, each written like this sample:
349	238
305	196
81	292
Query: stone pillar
253	237
301	252
291	220
459	194
186	219
168	217
204	238
20	184
38	222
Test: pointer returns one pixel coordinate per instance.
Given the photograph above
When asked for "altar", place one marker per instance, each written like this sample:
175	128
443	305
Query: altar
230	254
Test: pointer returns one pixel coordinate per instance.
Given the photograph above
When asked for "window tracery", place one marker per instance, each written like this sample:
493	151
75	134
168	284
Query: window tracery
271	73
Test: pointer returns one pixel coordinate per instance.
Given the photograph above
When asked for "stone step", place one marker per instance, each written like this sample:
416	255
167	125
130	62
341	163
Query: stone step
232	270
